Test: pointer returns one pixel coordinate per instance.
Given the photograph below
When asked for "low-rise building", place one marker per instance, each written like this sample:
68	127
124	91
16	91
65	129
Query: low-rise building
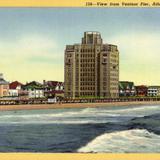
53	89
126	88
141	90
34	89
15	89
4	87
153	91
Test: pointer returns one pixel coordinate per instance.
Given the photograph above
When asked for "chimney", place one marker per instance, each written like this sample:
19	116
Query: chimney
44	82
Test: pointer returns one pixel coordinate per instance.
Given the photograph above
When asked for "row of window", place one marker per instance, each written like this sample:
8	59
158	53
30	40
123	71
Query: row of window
87	94
87	88
87	79
113	79
87	83
88	65
69	55
113	55
153	91
114	60
113	84
87	60
87	55
88	50
114	88
88	74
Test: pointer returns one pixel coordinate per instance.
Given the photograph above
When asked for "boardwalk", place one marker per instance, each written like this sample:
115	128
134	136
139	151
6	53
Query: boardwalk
106	100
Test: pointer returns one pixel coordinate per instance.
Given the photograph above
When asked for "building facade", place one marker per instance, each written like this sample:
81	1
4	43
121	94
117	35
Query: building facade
53	89
126	88
91	68
4	87
34	89
15	89
141	90
153	91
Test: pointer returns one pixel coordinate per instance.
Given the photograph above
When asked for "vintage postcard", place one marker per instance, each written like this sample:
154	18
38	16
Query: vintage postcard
79	80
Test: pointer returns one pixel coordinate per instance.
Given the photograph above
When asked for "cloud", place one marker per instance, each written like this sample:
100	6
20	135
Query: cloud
28	45
139	56
31	57
136	45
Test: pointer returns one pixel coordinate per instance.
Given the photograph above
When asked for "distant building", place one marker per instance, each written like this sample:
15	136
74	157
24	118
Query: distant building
153	91
141	90
4	87
126	88
15	89
34	89
53	89
91	68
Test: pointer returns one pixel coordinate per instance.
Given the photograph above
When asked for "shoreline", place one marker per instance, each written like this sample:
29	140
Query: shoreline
74	105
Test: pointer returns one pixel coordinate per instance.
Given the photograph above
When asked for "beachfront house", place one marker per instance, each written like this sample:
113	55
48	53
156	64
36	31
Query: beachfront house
126	88
53	89
34	89
153	91
141	90
4	87
15	89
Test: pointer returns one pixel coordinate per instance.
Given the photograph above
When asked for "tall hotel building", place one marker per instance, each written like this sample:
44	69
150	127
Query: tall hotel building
91	68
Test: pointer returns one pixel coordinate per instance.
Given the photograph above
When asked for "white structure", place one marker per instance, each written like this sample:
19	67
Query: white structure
52	100
34	89
35	93
15	89
153	91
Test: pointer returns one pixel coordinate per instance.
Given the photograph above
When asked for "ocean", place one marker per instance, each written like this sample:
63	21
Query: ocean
121	129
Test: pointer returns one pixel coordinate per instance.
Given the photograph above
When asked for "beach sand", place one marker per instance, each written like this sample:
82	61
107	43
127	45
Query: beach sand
74	105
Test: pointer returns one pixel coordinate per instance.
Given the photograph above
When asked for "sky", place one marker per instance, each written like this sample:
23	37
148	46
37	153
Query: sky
33	40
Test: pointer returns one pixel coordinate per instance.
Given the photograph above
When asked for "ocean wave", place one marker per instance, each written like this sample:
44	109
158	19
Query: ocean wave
87	112
133	110
78	116
128	141
57	121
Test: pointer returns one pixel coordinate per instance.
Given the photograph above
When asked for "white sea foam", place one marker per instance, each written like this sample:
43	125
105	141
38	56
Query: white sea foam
129	141
132	110
78	116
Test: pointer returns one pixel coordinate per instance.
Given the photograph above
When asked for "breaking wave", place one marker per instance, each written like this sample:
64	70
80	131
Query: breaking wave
129	141
77	116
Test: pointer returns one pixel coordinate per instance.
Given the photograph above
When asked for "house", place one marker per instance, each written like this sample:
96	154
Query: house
15	89
126	88
34	89
4	87
53	89
153	91
141	90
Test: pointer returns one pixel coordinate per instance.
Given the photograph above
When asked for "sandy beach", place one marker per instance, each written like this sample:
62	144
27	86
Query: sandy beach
73	105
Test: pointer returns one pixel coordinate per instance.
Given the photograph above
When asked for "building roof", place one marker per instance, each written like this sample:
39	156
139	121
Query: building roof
141	86
2	81
33	85
14	85
126	85
53	84
153	86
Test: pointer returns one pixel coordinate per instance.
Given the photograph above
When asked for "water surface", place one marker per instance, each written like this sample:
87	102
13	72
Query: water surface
122	129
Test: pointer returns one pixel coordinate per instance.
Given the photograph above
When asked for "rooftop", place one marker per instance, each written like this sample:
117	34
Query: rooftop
15	84
2	81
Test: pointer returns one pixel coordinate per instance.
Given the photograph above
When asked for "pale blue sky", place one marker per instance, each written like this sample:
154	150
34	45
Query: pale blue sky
32	40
